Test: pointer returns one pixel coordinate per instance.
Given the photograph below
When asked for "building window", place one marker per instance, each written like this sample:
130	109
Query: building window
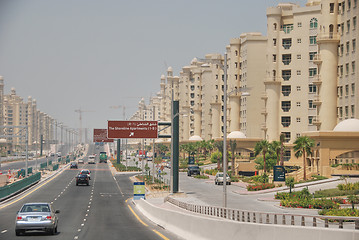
331	7
313	23
274	57
286	155
310	120
286	136
298	89
299	56
287	28
192	87
286	105
354	45
341	49
354	23
352	111
299	40
299	24
274	42
236	52
298	104
340	91
298	120
348	26
349	4
299	72
341	70
355	3
286	74
353	89
192	103
312	40
346	111
347	47
312	55
286	89
346	68
285	121
346	90
274	26
287	43
311	105
340	112
312	88
192	95
353	67
286	59
312	72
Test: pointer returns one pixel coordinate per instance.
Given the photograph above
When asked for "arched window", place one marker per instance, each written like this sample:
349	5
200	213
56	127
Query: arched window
274	26
313	23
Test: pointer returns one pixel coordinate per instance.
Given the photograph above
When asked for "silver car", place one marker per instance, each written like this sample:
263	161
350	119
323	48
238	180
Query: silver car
219	179
36	217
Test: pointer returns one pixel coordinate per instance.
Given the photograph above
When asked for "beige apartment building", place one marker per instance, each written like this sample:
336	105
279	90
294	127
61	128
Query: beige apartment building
16	112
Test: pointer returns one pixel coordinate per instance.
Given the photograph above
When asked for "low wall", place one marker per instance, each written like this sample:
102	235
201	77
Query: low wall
194	226
3	180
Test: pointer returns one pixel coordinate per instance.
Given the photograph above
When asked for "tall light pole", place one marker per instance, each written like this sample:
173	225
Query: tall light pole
225	133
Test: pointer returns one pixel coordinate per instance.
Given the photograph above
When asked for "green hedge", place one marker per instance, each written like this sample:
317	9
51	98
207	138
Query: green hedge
10	189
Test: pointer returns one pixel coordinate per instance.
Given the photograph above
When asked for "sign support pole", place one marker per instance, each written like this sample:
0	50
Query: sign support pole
118	151
175	139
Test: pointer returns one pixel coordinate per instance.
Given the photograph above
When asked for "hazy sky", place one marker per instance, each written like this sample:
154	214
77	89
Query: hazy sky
93	54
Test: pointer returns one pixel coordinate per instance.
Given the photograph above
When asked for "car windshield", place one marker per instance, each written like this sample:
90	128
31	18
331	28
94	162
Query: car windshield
35	208
194	167
85	172
82	176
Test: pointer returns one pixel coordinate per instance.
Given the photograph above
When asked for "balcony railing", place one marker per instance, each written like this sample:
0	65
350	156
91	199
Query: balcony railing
317	59
317	80
328	37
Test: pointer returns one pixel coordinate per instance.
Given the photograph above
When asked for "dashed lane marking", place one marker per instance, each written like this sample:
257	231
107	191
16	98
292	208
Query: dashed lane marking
4	231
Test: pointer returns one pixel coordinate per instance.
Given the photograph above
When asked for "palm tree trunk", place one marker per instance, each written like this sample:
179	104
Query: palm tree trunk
304	166
264	162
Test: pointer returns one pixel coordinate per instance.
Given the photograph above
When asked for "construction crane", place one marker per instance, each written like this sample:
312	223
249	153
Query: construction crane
79	111
123	110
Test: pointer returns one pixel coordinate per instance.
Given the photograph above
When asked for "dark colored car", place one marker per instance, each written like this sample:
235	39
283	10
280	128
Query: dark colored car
73	165
36	217
193	170
82	179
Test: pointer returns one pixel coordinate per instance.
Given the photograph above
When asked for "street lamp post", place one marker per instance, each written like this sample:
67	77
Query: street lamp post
225	134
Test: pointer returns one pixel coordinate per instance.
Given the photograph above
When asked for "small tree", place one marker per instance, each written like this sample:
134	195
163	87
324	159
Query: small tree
289	182
233	146
353	199
262	147
303	145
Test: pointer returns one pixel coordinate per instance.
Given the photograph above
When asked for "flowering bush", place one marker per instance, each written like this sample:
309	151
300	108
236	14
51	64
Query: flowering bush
345	212
258	187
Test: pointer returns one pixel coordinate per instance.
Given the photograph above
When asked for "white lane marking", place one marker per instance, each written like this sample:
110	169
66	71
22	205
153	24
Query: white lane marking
82	224
59	196
4	231
89	206
77	237
88	210
52	202
89	202
86	215
79	230
85	219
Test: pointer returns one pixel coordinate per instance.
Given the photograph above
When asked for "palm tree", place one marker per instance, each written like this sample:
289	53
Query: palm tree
276	147
262	147
303	145
233	146
281	140
219	146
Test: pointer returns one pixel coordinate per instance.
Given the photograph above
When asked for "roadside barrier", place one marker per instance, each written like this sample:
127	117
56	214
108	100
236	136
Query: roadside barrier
268	218
9	190
55	167
43	165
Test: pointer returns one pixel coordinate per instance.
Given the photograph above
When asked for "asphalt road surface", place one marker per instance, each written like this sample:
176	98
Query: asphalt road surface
99	211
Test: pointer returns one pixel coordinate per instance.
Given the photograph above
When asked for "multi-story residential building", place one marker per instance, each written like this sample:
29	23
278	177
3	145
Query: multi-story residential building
291	70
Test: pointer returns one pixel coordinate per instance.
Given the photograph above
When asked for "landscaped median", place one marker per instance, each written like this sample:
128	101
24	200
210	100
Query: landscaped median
11	189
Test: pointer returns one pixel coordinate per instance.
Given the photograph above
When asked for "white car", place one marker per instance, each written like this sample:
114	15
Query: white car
91	159
219	179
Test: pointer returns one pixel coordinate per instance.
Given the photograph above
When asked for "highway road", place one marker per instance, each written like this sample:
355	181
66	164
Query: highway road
99	211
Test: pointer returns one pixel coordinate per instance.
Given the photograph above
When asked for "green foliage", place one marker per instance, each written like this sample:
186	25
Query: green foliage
334	192
345	212
216	156
260	186
270	162
212	172
349	186
201	176
353	199
122	168
262	147
289	182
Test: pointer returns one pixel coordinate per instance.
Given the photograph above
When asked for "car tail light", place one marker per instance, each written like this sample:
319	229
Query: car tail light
48	217
19	218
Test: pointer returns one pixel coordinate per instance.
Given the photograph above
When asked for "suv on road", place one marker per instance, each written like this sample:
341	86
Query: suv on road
193	170
82	179
219	179
73	165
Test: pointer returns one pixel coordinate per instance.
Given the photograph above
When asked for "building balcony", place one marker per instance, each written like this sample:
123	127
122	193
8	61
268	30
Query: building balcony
316	100
264	127
317	59
316	121
317	79
328	37
264	111
264	96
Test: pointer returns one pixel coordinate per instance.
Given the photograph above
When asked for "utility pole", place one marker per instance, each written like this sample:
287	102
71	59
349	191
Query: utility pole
79	111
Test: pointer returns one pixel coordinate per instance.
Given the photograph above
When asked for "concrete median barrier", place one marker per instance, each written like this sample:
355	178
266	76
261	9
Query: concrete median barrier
194	226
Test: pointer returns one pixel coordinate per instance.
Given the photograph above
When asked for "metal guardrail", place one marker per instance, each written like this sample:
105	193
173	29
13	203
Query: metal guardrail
267	218
17	186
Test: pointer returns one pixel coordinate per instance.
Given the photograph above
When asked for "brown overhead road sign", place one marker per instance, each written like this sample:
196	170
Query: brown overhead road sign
100	135
132	129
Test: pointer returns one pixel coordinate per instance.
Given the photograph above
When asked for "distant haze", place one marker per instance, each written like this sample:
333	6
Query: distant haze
93	54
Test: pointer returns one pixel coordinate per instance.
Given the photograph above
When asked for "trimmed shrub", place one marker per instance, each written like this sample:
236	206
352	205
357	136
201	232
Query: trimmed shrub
259	187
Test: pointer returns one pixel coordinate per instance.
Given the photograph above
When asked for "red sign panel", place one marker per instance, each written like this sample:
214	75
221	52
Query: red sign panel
132	129
100	135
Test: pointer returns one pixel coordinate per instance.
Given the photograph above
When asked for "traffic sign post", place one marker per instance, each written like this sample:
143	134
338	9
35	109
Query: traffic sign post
132	129
139	190
100	135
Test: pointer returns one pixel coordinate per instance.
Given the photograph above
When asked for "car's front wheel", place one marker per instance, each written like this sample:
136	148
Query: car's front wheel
18	232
